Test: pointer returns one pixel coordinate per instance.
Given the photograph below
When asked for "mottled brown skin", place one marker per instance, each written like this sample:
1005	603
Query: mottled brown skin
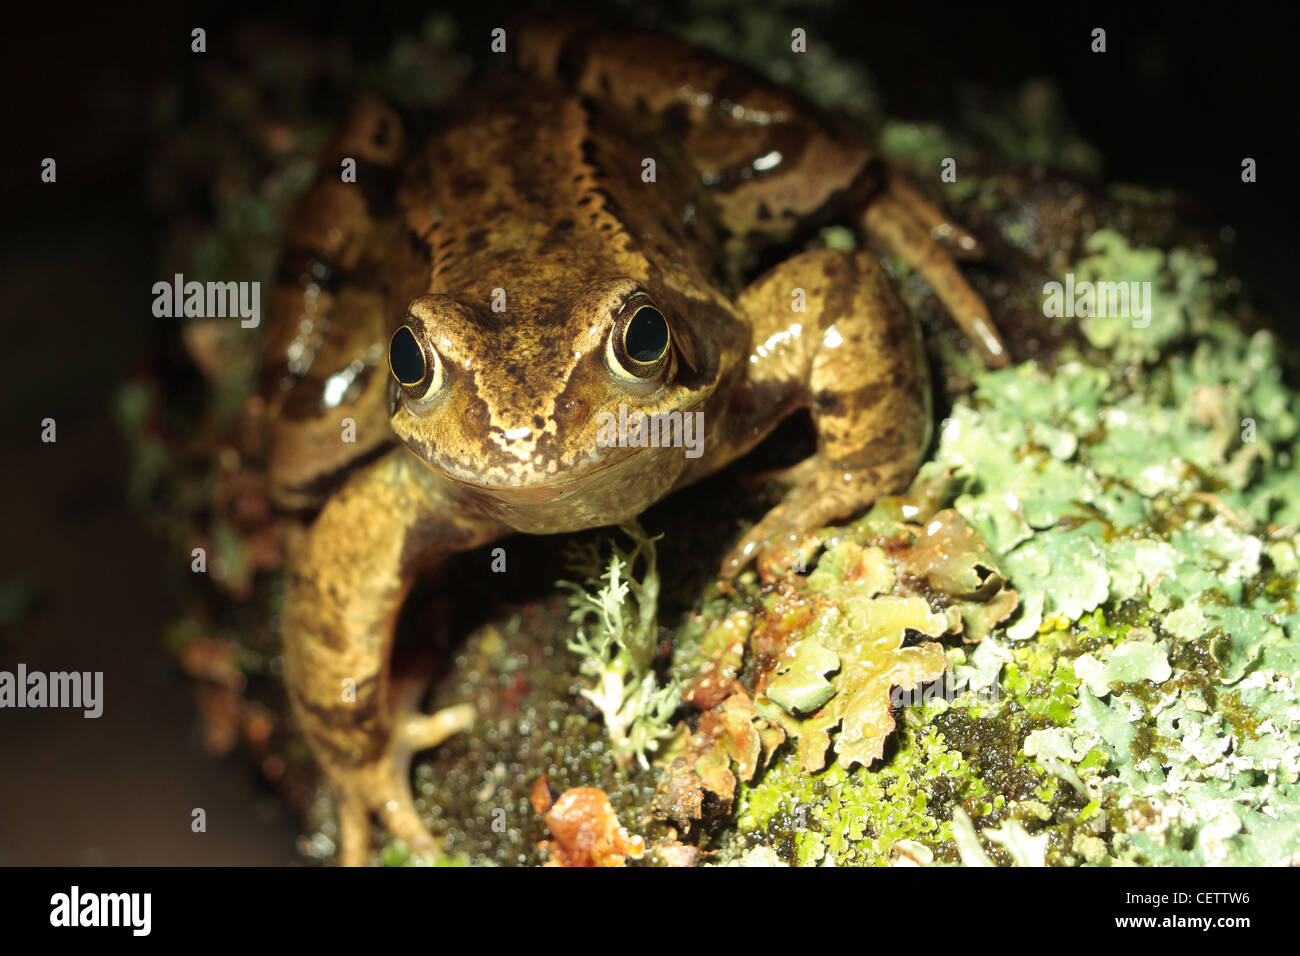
536	193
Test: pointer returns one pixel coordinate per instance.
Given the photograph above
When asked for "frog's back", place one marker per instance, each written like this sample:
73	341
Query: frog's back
537	188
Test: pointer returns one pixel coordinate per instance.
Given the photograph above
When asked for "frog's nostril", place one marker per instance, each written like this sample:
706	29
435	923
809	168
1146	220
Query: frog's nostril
405	357
571	409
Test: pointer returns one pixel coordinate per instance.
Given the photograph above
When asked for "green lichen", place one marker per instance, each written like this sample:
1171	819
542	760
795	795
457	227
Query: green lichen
845	817
1147	708
1096	488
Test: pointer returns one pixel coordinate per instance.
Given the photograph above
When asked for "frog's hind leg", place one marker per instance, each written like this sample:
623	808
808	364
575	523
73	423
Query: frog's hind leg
905	224
330	312
958	241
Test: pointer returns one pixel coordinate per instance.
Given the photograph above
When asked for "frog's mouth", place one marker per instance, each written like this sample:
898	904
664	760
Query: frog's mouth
531	482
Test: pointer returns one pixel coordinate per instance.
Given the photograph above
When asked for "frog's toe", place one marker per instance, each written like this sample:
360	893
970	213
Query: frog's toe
960	243
739	557
422	731
777	544
383	788
354	830
783	540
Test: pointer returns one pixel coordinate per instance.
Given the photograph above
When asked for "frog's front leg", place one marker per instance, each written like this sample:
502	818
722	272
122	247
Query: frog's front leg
855	358
347	578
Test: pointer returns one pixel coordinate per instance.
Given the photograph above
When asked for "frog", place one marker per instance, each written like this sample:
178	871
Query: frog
618	222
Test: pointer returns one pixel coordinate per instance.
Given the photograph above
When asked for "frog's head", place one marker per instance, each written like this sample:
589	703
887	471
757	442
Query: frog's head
527	410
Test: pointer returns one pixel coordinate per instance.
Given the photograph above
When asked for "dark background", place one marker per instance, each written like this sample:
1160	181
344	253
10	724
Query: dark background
1182	95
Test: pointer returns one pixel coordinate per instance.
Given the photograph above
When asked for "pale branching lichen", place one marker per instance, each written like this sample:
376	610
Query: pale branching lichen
617	650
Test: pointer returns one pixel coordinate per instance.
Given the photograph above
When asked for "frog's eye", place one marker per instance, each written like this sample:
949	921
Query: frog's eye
638	346
421	377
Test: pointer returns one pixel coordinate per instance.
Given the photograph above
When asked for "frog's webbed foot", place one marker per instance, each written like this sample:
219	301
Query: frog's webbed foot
908	226
787	478
382	788
778	543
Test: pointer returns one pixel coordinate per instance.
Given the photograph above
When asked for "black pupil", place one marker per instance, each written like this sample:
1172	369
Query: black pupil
647	336
405	357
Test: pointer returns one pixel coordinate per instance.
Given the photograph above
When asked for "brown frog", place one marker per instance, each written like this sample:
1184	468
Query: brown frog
452	331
